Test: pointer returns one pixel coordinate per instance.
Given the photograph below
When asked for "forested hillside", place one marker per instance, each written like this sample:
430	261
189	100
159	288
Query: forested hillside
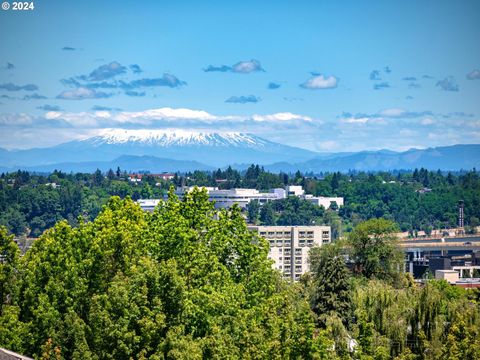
419	200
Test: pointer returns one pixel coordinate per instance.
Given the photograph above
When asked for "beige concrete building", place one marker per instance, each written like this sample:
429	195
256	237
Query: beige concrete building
451	276
289	246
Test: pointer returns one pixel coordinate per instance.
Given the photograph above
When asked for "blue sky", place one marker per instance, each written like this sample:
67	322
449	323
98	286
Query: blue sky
323	75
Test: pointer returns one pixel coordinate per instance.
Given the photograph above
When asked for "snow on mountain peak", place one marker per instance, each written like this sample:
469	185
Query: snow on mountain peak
177	137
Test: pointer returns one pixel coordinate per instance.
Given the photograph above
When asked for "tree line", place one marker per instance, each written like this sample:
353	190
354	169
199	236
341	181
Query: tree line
415	200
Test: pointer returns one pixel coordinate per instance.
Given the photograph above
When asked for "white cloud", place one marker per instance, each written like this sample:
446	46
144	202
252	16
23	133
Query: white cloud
82	93
165	113
15	119
356	120
473	75
284	116
392	112
427	121
181	117
320	82
246	67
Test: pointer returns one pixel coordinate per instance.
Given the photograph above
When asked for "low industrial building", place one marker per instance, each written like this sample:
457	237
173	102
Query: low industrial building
290	246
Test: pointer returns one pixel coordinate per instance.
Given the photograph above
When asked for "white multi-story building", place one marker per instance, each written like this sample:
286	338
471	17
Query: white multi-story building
242	197
326	202
290	245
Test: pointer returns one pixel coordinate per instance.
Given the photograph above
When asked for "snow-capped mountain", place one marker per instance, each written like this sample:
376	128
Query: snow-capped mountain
215	149
178	137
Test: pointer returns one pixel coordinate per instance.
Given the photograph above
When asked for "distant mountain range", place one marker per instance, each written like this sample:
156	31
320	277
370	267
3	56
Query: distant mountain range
455	157
180	150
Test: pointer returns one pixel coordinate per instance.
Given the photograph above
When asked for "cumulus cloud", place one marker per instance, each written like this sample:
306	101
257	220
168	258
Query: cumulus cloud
380	86
82	93
474	75
136	69
284	116
273	86
353	120
448	84
243	99
105	117
320	81
392	112
105	72
241	67
34	96
13	87
15	119
167	79
221	68
48	107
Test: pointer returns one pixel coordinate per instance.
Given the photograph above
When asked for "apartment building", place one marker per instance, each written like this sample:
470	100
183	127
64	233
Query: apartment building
290	245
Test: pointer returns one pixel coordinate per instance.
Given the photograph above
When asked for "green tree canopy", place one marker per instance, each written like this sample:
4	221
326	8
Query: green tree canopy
374	249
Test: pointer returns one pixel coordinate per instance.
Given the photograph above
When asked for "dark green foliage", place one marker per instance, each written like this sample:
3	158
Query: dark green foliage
374	250
332	289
